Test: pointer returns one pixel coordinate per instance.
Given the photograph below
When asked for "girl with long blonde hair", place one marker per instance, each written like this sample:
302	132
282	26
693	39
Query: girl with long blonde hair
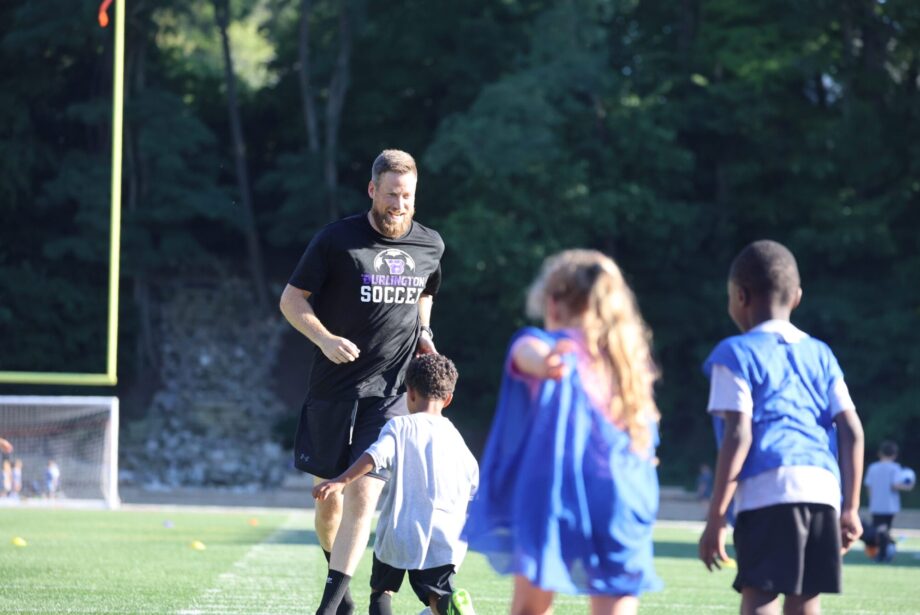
569	490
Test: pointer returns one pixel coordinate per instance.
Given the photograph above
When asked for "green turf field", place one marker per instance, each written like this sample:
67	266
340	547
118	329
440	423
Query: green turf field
142	562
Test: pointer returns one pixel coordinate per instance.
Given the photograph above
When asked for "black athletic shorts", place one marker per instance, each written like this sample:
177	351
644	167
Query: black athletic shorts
332	434
789	549
438	581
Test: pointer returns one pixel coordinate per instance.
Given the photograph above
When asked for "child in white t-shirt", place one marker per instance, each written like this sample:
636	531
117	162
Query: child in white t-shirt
882	479
433	477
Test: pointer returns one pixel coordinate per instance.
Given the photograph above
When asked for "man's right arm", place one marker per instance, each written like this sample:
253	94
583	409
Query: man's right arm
298	311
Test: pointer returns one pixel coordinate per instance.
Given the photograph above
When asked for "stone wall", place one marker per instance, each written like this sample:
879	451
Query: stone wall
210	423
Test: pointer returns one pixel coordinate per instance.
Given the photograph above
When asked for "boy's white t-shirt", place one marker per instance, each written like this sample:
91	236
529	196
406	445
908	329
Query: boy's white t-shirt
784	485
881	477
433	476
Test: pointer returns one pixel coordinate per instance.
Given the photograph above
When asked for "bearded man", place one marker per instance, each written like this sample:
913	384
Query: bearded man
362	293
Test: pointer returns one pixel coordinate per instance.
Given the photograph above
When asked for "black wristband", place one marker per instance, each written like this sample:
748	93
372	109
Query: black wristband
427	329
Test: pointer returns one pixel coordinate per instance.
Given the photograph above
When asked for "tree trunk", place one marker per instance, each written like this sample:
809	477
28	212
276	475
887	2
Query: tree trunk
876	35
338	87
222	17
306	92
136	78
687	29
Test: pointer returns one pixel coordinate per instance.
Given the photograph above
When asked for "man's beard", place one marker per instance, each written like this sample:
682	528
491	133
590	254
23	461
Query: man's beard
392	229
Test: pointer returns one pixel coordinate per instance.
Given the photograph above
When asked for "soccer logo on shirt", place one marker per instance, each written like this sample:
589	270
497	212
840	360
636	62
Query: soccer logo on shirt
394	261
391	281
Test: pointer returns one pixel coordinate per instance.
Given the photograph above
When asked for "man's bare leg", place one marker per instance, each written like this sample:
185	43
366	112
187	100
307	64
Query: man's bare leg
328	518
327	521
359	505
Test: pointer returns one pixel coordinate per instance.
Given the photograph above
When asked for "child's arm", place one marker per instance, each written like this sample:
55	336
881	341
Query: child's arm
534	357
850	457
736	442
325	489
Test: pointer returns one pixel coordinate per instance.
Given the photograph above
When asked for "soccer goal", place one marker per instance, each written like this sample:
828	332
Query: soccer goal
65	450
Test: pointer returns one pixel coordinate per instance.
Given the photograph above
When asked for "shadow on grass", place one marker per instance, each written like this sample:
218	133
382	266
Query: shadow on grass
295	537
302	537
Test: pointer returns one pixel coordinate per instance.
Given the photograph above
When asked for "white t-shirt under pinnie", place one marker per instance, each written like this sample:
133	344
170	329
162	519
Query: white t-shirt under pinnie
787	484
433	477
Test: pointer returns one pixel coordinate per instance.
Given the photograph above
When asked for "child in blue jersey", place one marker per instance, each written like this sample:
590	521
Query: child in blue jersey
569	490
792	445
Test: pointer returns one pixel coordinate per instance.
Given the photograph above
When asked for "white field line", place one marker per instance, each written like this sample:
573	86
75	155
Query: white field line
268	579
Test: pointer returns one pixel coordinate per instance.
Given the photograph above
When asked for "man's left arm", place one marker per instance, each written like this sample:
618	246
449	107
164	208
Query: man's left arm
426	339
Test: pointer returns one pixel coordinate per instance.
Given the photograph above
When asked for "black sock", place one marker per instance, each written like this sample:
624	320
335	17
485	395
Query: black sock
380	604
347	605
336	586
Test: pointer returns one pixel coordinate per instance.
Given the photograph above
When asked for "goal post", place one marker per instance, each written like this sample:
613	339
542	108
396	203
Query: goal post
65	449
109	377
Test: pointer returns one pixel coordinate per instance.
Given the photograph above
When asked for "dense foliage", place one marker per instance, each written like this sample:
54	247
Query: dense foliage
668	134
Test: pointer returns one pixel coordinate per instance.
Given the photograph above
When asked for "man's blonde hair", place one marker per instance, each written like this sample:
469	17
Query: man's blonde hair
392	161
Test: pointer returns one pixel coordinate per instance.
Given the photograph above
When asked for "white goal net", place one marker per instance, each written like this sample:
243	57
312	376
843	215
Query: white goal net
65	449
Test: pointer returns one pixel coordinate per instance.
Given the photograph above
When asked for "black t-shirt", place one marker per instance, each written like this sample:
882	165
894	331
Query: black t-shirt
365	287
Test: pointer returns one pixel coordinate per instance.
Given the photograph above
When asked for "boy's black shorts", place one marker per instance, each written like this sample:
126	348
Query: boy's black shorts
438	581
789	549
332	434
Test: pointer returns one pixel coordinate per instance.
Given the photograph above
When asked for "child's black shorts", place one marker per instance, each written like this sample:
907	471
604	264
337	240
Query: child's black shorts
789	549
332	434
438	581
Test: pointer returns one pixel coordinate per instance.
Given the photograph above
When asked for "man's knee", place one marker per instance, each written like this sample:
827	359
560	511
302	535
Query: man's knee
361	496
328	518
329	509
